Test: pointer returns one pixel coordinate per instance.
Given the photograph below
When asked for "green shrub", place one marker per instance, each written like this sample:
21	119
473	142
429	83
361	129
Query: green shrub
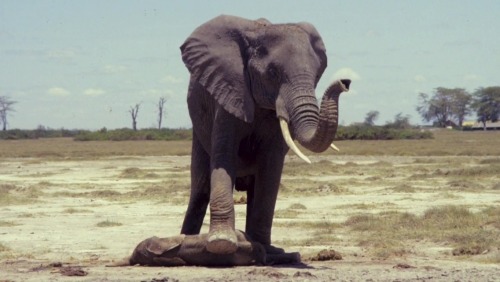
365	132
124	134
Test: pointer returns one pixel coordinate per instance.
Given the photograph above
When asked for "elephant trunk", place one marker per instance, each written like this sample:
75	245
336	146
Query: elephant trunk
314	129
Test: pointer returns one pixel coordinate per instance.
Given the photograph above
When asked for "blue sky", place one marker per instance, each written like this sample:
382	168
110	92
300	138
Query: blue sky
83	64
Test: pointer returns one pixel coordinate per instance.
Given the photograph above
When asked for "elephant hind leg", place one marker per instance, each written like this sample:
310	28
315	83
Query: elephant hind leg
200	189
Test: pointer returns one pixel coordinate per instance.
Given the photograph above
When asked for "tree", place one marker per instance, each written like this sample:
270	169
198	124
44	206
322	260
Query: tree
370	118
486	103
5	107
134	110
161	110
444	106
400	122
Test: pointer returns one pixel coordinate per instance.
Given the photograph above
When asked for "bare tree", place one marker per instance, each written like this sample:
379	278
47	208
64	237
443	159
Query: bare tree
161	110
5	107
134	110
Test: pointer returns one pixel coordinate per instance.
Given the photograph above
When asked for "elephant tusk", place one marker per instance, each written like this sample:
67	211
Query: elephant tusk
289	141
334	147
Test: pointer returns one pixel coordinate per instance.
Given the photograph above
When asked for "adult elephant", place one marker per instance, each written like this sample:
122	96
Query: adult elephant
251	80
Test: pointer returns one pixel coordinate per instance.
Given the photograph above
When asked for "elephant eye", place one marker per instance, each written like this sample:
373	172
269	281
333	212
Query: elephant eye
273	72
261	51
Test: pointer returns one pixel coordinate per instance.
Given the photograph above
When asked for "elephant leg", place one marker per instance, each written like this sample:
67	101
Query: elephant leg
247	183
221	236
250	200
270	165
200	189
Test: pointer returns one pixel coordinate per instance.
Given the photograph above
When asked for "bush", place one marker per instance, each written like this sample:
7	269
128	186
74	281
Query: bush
40	132
129	134
366	132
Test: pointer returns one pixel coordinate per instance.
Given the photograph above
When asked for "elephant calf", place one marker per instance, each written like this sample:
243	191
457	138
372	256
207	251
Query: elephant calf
184	250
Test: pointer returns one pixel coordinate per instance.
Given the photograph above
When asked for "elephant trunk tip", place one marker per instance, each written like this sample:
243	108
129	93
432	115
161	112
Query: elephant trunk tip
345	83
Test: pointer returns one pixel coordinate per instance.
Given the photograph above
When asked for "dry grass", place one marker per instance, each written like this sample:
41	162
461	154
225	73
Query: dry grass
73	211
394	233
57	148
445	143
172	192
108	223
4	223
15	195
134	172
3	248
435	169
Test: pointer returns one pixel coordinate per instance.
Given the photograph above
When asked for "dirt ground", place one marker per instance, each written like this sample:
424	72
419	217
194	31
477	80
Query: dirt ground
65	219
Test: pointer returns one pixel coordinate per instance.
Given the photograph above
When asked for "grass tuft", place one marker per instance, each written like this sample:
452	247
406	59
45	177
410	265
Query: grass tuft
137	173
403	188
108	223
4	248
4	223
73	210
297	206
16	195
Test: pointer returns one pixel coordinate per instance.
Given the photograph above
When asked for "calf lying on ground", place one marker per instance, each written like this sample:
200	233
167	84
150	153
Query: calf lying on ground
191	250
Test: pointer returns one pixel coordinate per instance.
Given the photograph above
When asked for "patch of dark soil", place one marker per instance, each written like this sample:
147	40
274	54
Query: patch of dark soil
73	271
304	275
469	250
268	272
403	266
164	279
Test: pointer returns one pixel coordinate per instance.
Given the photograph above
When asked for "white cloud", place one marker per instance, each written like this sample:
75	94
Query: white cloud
171	79
419	78
58	91
112	69
61	54
93	92
346	73
472	77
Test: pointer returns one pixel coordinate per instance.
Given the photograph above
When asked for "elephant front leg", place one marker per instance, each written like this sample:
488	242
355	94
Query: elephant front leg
200	189
221	236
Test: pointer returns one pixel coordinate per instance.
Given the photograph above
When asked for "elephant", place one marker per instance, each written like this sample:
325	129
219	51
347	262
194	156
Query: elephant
183	250
251	93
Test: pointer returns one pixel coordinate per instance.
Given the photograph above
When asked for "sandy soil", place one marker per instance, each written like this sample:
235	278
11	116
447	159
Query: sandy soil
49	226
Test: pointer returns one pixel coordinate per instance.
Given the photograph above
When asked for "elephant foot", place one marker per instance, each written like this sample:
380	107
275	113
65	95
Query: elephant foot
272	250
222	242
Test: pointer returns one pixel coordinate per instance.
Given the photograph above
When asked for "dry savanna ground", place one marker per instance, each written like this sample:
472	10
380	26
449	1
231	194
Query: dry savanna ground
391	210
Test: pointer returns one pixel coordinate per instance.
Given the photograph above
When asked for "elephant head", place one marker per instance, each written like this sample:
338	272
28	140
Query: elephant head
247	64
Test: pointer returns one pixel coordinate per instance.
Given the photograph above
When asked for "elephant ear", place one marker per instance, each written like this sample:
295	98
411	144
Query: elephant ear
316	43
215	56
165	246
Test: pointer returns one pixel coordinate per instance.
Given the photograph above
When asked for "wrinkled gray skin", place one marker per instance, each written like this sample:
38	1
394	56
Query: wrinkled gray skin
191	250
244	76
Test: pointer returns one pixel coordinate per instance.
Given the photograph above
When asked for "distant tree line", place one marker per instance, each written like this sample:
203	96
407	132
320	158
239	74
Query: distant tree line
125	134
399	128
102	134
450	106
